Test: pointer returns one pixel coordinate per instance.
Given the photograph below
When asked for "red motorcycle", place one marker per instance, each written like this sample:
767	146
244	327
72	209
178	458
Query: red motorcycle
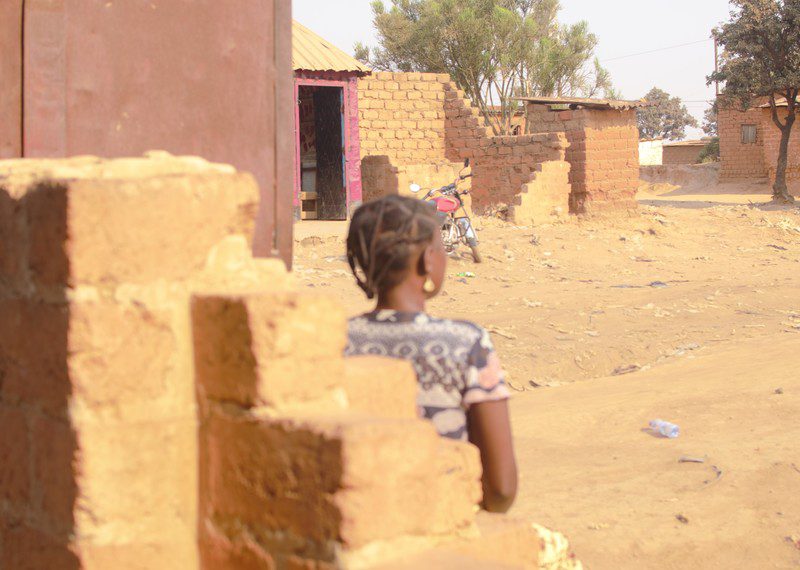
456	224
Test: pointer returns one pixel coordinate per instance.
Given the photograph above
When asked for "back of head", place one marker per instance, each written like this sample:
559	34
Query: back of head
384	236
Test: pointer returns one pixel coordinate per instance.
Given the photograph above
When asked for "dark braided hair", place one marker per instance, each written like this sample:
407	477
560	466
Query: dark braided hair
383	236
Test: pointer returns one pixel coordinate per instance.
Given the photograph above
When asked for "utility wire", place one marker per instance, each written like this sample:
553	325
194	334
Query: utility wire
657	50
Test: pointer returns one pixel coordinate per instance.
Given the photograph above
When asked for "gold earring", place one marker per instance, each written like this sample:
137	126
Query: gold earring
429	286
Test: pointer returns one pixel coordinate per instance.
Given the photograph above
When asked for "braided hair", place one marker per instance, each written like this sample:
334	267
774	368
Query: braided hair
383	236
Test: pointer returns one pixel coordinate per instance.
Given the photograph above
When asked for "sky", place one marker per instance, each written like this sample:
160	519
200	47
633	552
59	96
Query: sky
623	28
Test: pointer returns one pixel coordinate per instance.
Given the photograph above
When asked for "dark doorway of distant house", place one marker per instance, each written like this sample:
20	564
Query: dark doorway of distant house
323	191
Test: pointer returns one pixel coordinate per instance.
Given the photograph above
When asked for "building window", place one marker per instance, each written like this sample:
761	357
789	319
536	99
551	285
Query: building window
748	134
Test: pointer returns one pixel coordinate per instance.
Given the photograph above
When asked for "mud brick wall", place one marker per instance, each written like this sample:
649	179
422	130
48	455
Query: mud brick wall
682	154
603	154
737	160
528	173
420	128
98	457
772	140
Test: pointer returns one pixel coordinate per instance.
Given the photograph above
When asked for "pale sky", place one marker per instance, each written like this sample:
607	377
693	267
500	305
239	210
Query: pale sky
624	27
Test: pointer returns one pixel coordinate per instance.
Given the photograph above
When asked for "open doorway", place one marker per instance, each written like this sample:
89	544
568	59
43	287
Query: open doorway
323	184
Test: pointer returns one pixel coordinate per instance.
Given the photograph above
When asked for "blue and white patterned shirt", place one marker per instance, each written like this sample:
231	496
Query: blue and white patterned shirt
455	362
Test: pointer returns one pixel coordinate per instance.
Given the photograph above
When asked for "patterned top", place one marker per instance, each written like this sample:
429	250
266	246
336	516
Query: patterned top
455	362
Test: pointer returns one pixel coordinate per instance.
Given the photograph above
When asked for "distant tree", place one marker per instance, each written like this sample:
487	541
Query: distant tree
666	117
710	152
761	59
361	52
495	50
710	121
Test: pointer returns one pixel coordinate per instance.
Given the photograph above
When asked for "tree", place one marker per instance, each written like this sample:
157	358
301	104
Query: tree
665	117
761	59
710	121
495	50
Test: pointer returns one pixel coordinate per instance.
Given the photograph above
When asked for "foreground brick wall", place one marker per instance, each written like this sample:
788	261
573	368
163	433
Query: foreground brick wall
420	128
162	407
737	160
603	154
98	459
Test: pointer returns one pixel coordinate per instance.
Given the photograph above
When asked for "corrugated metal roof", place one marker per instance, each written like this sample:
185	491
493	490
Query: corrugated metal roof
311	52
782	102
576	102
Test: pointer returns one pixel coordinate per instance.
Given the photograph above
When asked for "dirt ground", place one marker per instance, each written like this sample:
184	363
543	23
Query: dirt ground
689	312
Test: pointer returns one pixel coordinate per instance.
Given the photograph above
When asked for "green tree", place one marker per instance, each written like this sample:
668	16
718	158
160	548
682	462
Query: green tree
495	50
710	121
666	117
761	59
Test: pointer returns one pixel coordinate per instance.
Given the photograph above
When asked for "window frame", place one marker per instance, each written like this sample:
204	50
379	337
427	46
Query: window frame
746	130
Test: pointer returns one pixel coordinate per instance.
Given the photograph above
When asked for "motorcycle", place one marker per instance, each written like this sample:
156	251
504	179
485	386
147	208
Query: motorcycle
456	224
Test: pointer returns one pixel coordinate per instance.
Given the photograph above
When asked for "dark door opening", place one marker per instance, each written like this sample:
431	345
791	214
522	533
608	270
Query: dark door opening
323	190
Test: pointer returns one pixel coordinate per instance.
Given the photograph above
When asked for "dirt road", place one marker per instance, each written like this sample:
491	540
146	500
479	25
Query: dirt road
690	310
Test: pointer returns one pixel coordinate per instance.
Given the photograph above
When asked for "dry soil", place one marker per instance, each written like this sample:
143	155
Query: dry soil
690	312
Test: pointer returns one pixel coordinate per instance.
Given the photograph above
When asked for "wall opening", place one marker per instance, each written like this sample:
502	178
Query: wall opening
323	184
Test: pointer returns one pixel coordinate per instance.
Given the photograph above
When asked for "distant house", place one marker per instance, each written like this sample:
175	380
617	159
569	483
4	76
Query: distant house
603	151
683	152
748	143
328	154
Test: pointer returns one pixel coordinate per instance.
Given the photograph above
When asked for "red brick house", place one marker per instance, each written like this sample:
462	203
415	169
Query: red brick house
748	144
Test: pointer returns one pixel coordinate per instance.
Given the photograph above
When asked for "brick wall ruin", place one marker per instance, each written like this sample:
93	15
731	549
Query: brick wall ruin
162	406
603	154
739	160
421	127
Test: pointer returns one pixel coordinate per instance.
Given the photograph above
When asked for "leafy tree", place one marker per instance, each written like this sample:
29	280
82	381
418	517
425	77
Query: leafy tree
666	117
710	152
761	59
710	121
495	50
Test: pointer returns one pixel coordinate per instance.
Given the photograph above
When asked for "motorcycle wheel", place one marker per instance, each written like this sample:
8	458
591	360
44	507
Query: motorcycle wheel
476	255
449	239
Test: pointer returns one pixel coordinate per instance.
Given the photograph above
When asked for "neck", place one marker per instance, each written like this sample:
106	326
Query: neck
405	298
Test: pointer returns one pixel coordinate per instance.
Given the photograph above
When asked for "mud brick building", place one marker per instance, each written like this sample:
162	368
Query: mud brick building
419	128
748	143
603	151
683	152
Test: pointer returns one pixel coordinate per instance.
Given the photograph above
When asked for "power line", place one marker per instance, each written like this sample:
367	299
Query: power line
657	50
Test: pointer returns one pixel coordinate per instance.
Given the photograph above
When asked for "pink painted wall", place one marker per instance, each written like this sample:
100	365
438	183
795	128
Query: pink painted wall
348	82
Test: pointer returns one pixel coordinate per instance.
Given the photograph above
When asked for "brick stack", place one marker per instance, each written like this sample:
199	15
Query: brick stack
603	155
166	401
95	368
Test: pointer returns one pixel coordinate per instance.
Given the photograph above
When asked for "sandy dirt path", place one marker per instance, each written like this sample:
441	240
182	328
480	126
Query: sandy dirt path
690	310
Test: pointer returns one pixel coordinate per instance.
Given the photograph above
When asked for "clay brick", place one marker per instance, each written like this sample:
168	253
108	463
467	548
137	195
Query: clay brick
120	354
130	215
339	481
54	476
14	457
128	489
13	254
219	552
255	350
33	354
34	550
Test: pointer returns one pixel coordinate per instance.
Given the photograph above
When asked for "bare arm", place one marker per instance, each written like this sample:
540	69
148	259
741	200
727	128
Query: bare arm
490	430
